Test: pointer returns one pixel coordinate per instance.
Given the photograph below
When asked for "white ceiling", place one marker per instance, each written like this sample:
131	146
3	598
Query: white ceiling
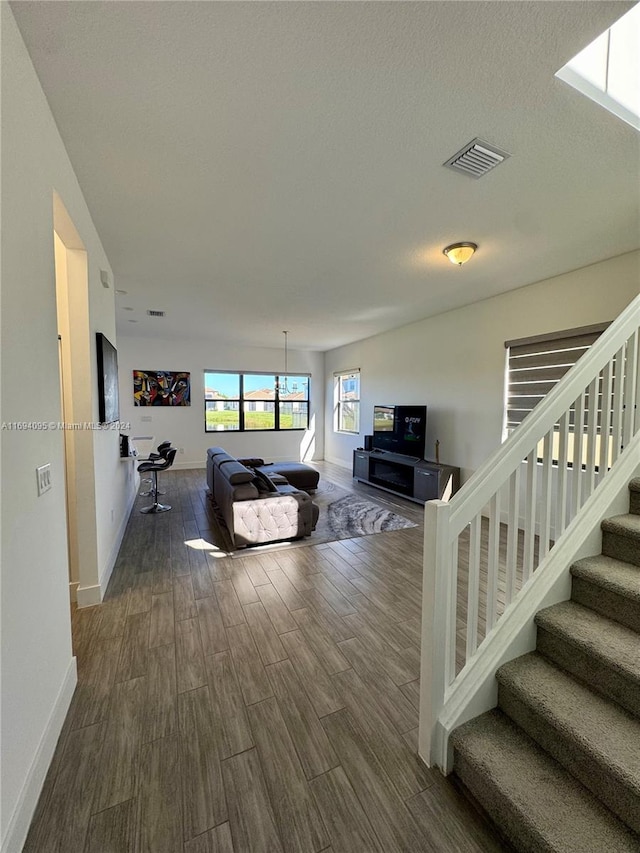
254	167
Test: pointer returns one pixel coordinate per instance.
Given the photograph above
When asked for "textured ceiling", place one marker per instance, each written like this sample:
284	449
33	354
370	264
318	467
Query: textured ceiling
254	167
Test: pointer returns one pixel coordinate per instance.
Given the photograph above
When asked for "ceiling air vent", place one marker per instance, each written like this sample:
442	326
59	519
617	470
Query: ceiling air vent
156	313
477	158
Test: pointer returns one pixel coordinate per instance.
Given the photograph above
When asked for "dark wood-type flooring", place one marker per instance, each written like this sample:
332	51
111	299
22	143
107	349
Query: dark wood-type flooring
253	705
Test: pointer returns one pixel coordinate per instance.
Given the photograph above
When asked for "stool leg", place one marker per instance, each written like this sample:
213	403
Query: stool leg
155	506
149	491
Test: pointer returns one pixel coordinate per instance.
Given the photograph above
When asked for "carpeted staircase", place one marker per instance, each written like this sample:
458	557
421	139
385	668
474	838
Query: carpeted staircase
557	764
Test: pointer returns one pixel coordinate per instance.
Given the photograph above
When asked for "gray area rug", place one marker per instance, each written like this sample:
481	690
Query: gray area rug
343	515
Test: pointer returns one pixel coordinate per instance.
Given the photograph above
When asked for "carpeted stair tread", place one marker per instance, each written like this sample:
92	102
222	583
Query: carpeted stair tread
624	525
539	806
617	645
634	485
593	738
610	587
595	649
615	575
621	537
634	496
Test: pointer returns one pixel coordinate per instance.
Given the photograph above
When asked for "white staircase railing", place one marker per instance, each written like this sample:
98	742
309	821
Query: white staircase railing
483	546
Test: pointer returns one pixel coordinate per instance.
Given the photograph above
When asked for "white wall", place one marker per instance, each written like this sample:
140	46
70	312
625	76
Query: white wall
38	670
455	362
184	426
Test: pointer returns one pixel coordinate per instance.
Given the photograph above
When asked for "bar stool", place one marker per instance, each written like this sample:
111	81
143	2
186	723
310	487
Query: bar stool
152	467
162	448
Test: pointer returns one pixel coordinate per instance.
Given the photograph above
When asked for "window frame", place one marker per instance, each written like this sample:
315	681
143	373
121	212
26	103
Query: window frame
339	402
241	400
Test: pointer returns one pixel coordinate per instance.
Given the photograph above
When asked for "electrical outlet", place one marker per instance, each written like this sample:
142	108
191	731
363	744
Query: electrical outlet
43	474
182	450
146	419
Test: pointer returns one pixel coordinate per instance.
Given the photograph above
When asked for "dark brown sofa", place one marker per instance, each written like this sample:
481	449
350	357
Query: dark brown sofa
256	508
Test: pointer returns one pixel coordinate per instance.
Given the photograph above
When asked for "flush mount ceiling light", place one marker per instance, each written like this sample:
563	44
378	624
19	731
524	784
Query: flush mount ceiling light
459	253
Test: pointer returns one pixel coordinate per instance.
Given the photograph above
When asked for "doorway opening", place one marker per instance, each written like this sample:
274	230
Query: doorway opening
76	415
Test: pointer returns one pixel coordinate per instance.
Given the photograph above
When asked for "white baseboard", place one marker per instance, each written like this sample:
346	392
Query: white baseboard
184	466
27	801
105	574
340	462
88	596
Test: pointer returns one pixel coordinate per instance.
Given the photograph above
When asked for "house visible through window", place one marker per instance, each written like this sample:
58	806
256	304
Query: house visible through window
243	402
536	364
347	401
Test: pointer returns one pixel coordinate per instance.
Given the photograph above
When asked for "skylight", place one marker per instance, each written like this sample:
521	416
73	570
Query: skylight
608	70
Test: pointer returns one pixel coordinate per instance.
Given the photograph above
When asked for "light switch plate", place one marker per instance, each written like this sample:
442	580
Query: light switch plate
43	474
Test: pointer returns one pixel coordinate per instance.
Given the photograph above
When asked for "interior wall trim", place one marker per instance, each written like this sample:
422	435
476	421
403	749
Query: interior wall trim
86	595
25	807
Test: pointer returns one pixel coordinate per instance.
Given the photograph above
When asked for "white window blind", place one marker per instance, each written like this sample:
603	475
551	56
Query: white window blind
535	364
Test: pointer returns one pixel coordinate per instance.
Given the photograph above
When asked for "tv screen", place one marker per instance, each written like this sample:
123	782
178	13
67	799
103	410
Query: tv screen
400	429
383	418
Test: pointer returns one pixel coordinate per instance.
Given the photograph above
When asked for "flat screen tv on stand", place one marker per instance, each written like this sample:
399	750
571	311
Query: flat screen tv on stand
400	429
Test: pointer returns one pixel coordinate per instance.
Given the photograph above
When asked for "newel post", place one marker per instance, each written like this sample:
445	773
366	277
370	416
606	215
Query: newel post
435	628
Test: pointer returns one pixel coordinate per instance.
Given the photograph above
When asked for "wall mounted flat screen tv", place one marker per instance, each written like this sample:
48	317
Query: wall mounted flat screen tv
108	402
400	429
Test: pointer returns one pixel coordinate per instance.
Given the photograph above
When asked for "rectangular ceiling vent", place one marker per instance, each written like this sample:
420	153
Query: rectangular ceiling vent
156	313
477	158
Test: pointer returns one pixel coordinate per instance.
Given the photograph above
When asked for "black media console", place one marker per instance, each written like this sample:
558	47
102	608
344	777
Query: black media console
413	478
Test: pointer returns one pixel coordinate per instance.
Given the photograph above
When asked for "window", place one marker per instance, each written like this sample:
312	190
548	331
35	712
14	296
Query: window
347	401
607	69
536	364
245	402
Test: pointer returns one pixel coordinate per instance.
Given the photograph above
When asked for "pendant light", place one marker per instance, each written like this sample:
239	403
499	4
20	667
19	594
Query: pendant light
283	388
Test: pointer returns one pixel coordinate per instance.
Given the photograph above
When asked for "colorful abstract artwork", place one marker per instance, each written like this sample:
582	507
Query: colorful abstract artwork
161	388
